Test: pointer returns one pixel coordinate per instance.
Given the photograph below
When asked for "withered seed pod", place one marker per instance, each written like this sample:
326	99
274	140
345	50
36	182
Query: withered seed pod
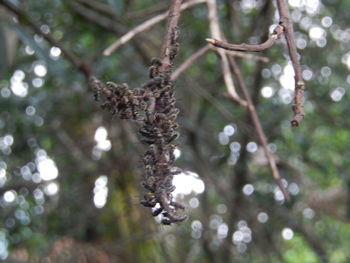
153	107
156	62
166	221
157	211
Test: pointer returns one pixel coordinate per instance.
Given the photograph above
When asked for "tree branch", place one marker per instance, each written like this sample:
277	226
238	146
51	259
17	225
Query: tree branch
149	11
286	22
102	8
95	17
285	26
145	26
260	132
171	35
108	24
152	106
245	47
196	88
240	54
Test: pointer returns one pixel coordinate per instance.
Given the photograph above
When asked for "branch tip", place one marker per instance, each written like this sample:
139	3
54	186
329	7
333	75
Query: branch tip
211	40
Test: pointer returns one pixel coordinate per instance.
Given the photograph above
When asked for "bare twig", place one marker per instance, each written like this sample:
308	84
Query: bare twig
286	22
148	12
145	26
245	47
80	65
285	26
216	33
102	8
260	132
94	17
196	88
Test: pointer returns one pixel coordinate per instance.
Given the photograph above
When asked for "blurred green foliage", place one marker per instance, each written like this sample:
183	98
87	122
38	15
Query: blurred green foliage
66	194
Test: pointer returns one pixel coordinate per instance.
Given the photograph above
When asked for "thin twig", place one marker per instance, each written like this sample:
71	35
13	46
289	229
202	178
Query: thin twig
188	62
80	65
244	55
196	88
95	17
102	8
145	26
216	33
246	47
286	22
148	12
260	132
254	116
285	26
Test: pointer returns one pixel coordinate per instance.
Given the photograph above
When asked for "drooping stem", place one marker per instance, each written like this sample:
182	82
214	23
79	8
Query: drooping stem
286	22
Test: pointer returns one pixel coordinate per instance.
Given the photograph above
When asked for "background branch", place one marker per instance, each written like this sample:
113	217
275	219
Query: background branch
99	7
145	26
216	33
22	17
259	130
188	62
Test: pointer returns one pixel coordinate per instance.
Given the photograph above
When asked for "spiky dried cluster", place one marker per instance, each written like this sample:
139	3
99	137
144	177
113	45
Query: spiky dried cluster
153	107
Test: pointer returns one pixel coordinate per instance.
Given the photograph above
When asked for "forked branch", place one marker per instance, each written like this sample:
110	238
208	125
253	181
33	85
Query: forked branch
285	26
225	67
251	108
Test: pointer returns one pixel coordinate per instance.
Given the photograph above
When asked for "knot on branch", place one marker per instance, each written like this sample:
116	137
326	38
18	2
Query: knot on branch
152	106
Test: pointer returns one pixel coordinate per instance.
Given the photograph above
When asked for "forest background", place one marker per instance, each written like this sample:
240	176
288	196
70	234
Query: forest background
71	173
